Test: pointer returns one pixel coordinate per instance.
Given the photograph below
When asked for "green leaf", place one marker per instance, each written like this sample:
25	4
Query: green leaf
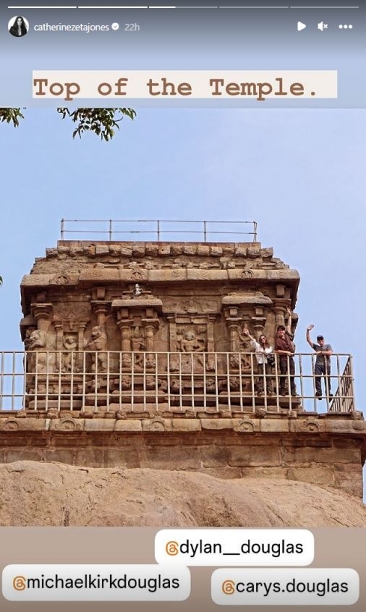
101	121
11	115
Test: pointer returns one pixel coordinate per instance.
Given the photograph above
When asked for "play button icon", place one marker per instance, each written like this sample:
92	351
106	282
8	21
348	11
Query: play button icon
300	26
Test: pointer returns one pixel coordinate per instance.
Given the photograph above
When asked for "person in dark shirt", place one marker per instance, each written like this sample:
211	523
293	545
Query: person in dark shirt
285	348
322	363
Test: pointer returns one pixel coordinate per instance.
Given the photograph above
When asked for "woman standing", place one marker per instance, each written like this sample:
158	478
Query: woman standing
264	355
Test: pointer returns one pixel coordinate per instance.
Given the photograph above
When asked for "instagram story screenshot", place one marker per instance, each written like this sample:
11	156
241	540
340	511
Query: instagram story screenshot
182	288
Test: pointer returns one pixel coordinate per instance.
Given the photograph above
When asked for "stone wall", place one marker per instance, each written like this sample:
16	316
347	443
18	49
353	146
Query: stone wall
326	451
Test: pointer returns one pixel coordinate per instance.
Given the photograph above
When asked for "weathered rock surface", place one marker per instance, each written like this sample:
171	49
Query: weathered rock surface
54	494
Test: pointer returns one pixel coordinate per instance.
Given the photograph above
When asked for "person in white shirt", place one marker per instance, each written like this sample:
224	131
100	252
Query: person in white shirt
265	360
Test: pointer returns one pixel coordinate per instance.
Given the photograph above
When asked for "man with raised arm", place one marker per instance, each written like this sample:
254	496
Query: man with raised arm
322	363
285	348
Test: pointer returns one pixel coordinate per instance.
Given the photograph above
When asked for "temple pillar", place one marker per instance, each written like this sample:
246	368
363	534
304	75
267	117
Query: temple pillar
125	331
279	308
150	328
100	310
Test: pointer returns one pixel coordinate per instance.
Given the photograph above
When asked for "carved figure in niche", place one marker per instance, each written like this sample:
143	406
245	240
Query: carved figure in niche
98	343
191	344
138	343
243	385
27	339
211	386
62	280
210	364
234	383
29	359
126	383
162	385
174	386
126	362
238	360
68	359
70	342
174	364
223	385
150	362
150	383
191	361
37	341
145	360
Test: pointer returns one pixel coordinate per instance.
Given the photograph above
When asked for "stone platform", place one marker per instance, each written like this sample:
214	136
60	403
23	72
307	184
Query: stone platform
324	449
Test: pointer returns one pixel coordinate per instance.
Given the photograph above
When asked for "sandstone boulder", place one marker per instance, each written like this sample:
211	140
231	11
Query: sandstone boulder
54	494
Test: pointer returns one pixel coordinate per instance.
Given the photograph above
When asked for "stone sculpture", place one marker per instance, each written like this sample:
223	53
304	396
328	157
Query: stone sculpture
98	343
191	344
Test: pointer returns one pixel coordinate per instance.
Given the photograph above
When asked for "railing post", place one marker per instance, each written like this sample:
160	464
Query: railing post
352	382
204	232
110	229
62	228
158	230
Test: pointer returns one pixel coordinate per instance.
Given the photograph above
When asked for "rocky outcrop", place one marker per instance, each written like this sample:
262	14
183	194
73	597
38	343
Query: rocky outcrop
54	494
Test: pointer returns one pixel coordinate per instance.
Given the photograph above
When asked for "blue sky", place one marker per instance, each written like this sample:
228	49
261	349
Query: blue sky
299	173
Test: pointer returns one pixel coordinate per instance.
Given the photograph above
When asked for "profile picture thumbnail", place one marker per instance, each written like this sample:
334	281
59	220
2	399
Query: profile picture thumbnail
18	26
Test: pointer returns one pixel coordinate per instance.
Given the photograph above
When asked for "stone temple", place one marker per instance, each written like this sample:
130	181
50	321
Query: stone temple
135	355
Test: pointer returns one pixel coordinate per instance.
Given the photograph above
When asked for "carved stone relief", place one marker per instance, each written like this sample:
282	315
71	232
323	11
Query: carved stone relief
69	358
74	311
138	339
38	341
98	343
190	306
191	340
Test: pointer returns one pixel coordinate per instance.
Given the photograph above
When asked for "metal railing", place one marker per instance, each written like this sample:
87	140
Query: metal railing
158	230
140	382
